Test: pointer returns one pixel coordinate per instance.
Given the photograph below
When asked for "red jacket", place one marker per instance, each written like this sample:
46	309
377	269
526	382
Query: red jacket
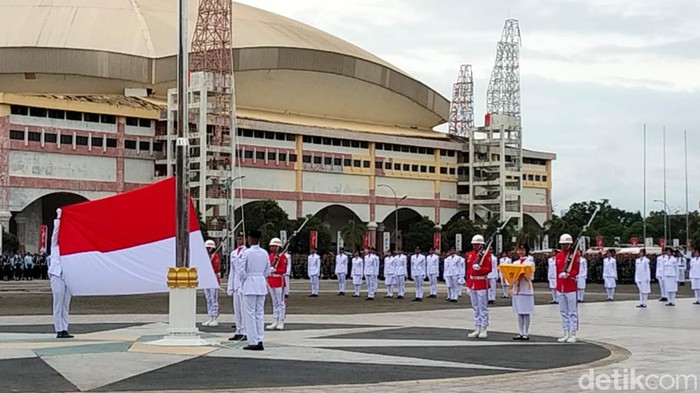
276	277
476	279
216	264
566	284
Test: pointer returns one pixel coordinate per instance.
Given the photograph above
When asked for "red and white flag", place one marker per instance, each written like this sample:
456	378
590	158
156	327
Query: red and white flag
124	244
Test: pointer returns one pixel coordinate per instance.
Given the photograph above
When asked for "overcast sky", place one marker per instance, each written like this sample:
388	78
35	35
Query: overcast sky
592	73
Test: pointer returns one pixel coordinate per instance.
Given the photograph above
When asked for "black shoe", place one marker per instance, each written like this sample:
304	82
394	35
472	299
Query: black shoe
399	297
313	295
387	296
453	301
492	301
258	347
63	334
370	298
342	293
286	296
696	302
355	295
518	337
233	326
525	338
553	302
663	299
339	294
237	337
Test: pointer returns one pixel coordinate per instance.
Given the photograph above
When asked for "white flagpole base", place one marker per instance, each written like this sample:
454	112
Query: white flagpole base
183	330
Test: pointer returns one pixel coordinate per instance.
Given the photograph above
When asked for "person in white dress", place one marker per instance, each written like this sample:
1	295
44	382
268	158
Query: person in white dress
670	277
552	278
642	277
682	266
341	270
400	270
389	276
313	269
357	271
451	274
694	275
610	275
418	273
433	270
504	284
523	295
581	279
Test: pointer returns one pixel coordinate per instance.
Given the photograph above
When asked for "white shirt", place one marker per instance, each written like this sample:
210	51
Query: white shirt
341	264
610	268
551	269
313	267
493	274
642	273
582	269
234	275
432	262
694	268
389	266
670	267
357	268
417	265
255	269
660	261
371	268
289	264
451	266
400	264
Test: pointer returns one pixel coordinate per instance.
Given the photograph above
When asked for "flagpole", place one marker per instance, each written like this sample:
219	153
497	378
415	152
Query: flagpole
182	236
687	218
666	221
644	217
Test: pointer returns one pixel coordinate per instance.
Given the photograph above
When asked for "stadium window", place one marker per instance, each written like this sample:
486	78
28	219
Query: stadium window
74	116
387	165
306	139
421	150
279	136
414	168
81	140
544	178
365	164
259	155
129	144
355	144
379	146
248	154
347	162
108	119
144	145
452	171
272	156
145	123
269	135
451	153
50	138
306	159
430	151
443	170
414	149
345	143
67	139
291	137
16	135
56	114
356	163
37	112
328	161
397	167
338	161
91	117
530	177
524	176
132	122
431	169
19	110
292	158
405	149
34	136
364	145
317	160
537	177
283	157
443	152
327	141
317	140
406	167
423	169
248	133
378	165
158	146
336	142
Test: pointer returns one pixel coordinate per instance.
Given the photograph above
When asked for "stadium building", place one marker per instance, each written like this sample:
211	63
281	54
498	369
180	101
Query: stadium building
325	128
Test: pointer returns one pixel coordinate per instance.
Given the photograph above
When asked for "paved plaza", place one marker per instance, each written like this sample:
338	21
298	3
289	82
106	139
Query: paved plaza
406	351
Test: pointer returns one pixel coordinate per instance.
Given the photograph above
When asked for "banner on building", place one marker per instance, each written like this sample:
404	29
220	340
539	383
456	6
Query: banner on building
458	242
43	229
313	238
649	242
599	241
676	243
283	236
633	240
387	241
341	243
365	241
436	241
545	242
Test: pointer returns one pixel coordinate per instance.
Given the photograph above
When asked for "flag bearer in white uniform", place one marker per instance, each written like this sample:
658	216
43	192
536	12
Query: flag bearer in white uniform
211	295
432	262
451	274
375	260
680	258
492	277
341	270
313	269
504	284
389	276
234	288
581	279
694	275
400	268
642	277
255	269
659	273
610	274
524	295
370	274
552	278
418	273
357	271
59	290
670	277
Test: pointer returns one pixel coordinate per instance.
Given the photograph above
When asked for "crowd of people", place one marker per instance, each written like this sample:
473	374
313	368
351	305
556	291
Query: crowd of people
23	266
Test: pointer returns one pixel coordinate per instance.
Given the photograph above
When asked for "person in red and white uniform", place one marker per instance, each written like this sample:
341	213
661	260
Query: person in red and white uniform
478	267
275	281
566	287
212	294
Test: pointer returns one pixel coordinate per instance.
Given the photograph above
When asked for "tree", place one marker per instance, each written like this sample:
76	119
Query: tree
419	234
267	217
300	244
353	234
458	224
9	241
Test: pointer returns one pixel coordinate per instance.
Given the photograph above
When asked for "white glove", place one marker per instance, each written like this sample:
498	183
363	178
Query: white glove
461	281
229	292
476	266
563	275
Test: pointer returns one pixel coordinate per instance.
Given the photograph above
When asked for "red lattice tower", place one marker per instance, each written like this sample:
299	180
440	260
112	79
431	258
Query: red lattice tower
211	52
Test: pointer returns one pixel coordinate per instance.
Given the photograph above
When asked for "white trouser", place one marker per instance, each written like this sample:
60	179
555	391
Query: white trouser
453	287
341	282
238	310
401	283
697	294
371	285
568	310
254	318
358	289
671	297
662	286
480	305
492	289
211	295
555	295
389	281
61	303
376	283
279	309
504	287
643	298
286	284
610	292
580	293
314	284
418	280
432	279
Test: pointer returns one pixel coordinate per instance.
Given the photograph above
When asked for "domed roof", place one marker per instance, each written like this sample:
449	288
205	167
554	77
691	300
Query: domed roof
63	46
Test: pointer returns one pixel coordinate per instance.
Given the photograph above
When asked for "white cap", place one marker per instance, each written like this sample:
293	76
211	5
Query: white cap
566	239
209	244
478	239
276	242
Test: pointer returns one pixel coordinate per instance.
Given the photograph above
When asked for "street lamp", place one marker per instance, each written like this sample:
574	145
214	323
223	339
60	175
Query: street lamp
396	211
